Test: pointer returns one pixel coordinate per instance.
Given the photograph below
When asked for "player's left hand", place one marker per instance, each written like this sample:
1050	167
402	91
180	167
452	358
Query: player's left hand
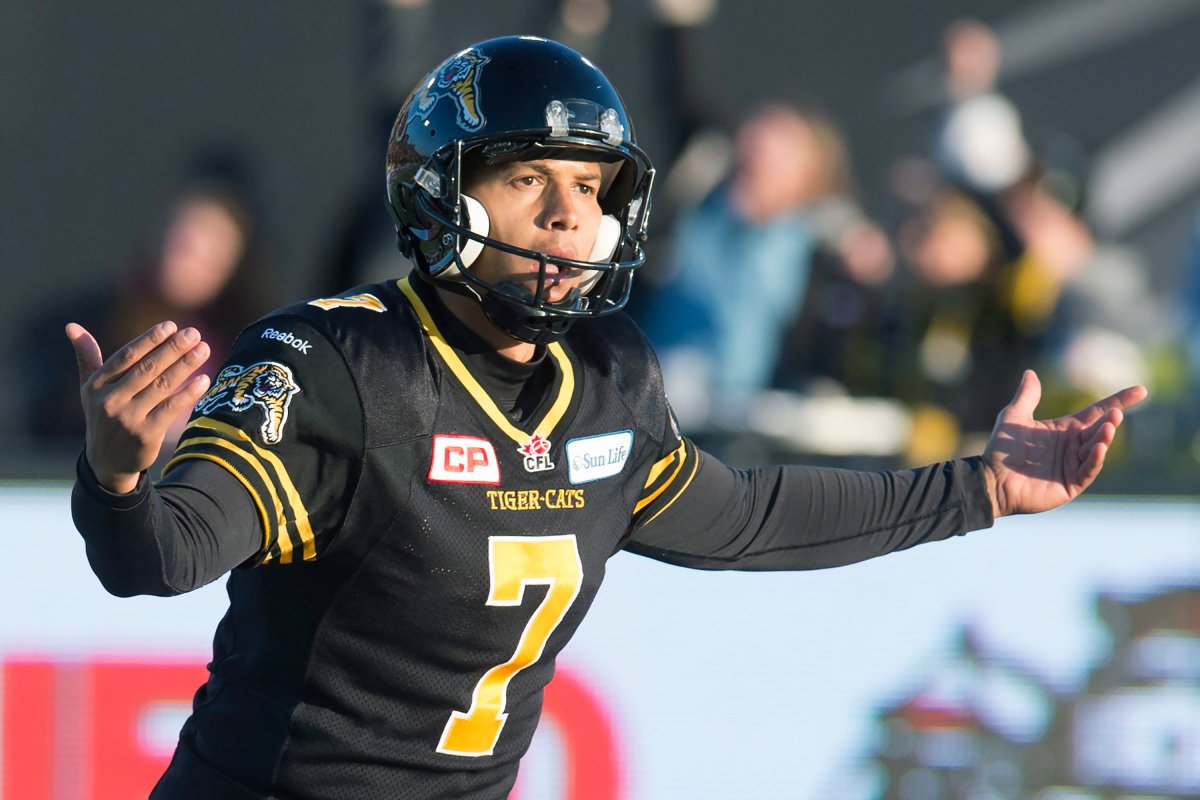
1036	465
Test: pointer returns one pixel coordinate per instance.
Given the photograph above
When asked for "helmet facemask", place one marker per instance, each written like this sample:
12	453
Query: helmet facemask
443	230
464	226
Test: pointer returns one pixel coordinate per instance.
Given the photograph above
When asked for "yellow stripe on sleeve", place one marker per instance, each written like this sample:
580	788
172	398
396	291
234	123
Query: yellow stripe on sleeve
682	489
662	464
300	513
262	510
280	520
681	454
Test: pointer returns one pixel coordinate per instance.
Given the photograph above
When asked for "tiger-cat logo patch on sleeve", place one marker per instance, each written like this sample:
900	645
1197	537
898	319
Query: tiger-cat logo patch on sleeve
267	384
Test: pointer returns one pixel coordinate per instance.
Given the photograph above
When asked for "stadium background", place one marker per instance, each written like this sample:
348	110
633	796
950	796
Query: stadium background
743	684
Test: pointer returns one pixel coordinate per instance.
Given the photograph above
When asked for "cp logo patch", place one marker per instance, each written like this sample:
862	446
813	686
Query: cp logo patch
266	384
463	459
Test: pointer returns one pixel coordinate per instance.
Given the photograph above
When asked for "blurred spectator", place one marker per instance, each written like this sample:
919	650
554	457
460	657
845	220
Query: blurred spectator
1007	282
204	268
1091	298
1007	274
741	265
579	24
833	343
979	144
963	346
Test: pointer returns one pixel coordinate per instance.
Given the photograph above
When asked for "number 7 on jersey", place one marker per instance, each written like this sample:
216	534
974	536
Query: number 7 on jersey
515	562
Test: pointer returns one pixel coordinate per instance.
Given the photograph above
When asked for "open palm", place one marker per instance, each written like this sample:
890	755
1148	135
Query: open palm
1037	465
130	398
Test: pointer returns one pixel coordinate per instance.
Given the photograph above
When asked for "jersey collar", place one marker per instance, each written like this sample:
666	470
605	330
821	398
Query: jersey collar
554	414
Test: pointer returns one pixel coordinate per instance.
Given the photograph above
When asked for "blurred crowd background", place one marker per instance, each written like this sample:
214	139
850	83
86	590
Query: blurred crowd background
869	219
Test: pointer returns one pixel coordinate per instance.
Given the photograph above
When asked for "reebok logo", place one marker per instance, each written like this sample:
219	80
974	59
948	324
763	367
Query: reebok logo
288	338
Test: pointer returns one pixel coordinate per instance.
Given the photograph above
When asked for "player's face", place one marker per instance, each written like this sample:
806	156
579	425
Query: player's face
548	205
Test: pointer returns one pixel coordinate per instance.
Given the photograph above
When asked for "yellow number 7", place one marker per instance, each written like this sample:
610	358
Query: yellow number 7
515	562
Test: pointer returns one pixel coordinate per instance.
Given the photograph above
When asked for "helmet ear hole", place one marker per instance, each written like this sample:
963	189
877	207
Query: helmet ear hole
608	236
479	223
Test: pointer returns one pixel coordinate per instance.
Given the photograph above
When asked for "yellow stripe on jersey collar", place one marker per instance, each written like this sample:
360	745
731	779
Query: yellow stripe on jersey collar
545	425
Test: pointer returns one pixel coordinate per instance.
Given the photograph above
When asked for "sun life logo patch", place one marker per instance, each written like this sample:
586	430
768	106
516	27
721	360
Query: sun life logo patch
593	458
267	384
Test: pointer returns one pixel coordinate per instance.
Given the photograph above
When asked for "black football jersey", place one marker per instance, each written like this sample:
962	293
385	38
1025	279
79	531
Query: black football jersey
424	556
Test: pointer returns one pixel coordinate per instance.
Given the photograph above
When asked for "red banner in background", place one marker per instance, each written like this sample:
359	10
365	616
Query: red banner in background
29	729
590	744
78	730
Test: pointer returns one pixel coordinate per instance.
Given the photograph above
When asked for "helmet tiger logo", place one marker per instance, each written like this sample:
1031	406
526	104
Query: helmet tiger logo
458	79
267	384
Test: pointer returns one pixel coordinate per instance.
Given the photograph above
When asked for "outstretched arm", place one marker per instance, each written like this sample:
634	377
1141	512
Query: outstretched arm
1036	465
791	517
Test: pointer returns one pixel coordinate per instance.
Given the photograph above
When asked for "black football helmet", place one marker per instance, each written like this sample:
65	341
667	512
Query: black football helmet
516	98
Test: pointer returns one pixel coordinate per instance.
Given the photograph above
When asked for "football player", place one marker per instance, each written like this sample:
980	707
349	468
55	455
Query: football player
383	472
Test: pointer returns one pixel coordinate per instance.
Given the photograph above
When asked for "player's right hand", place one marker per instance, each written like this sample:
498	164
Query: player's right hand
130	400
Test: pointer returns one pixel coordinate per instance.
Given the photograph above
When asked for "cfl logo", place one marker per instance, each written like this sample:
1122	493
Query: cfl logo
537	454
538	463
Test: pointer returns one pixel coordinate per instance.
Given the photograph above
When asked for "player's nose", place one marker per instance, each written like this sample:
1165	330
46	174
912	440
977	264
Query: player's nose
559	207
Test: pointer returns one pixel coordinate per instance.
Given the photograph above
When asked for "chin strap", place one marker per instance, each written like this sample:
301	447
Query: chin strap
505	307
524	323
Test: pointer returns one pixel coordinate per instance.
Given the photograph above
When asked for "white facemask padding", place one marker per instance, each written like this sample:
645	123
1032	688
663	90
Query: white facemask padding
608	236
479	223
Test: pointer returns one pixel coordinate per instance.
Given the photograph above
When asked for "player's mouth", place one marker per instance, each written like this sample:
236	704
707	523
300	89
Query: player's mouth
556	274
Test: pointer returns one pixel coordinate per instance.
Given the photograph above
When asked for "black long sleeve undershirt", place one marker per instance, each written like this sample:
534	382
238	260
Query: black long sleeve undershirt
193	527
796	517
